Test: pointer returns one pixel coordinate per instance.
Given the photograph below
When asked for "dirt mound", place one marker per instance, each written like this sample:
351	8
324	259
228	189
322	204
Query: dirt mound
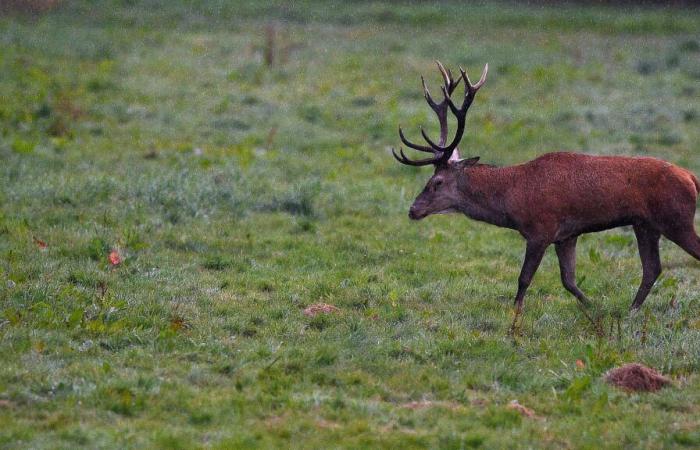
319	308
636	377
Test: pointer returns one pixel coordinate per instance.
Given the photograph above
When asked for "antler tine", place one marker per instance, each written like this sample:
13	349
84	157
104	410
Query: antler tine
450	83
420	162
465	76
446	75
444	72
475	87
430	141
422	148
426	94
482	80
469	91
445	93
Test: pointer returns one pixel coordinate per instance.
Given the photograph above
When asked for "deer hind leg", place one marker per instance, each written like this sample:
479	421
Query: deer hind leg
676	223
686	239
566	252
648	243
533	256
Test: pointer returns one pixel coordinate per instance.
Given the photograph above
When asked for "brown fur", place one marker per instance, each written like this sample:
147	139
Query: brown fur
557	197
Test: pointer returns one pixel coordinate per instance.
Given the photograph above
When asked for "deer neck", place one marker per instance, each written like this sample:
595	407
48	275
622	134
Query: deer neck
482	192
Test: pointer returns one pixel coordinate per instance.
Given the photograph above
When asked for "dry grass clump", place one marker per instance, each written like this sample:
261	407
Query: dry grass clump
636	377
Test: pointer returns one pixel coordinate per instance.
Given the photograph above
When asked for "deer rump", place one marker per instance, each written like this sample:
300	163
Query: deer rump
555	198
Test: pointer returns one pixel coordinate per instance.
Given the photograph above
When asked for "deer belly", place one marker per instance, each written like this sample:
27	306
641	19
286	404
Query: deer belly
603	215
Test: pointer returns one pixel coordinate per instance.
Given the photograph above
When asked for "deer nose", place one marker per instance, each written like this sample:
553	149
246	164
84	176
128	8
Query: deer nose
412	213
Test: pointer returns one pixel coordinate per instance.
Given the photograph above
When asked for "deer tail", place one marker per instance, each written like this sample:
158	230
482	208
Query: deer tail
694	179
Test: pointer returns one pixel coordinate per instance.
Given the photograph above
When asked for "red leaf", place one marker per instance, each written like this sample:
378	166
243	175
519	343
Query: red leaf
580	364
41	244
115	258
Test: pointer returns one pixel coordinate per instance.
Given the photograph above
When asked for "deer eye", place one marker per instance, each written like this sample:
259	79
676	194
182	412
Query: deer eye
437	183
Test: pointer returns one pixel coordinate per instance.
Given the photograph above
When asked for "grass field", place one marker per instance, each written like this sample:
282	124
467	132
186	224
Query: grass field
237	193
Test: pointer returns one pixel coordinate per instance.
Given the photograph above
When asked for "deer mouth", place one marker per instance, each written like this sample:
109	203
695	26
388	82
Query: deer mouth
413	214
416	215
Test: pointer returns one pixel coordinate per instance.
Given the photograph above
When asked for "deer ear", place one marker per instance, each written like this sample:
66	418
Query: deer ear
462	163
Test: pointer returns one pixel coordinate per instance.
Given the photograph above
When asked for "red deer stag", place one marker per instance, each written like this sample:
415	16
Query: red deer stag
556	197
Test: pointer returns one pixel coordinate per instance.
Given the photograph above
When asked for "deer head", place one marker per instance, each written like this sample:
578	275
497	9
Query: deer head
441	193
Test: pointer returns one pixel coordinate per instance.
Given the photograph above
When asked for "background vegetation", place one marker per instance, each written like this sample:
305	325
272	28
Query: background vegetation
233	158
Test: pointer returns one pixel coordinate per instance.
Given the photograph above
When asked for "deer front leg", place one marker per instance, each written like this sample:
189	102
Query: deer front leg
533	256
648	243
566	252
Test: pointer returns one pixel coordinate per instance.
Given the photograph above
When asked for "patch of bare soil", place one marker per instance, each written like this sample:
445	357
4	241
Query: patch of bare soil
524	410
320	308
636	378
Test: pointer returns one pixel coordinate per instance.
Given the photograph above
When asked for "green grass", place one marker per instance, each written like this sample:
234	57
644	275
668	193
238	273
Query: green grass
239	194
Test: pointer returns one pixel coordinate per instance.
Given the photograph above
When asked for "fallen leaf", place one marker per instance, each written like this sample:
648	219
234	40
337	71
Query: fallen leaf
178	323
319	308
41	244
580	364
524	410
115	258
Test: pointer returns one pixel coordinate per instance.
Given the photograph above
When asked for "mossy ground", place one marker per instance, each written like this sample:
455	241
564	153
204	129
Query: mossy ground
238	194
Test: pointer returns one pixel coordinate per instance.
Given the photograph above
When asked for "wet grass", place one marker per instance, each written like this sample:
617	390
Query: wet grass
237	194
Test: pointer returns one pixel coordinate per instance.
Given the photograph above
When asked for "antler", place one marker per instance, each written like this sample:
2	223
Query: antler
441	152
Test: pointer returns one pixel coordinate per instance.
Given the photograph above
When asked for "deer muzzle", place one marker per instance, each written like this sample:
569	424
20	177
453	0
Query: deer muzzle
414	214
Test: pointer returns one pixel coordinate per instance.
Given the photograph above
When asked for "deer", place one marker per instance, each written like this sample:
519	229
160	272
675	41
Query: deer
554	198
